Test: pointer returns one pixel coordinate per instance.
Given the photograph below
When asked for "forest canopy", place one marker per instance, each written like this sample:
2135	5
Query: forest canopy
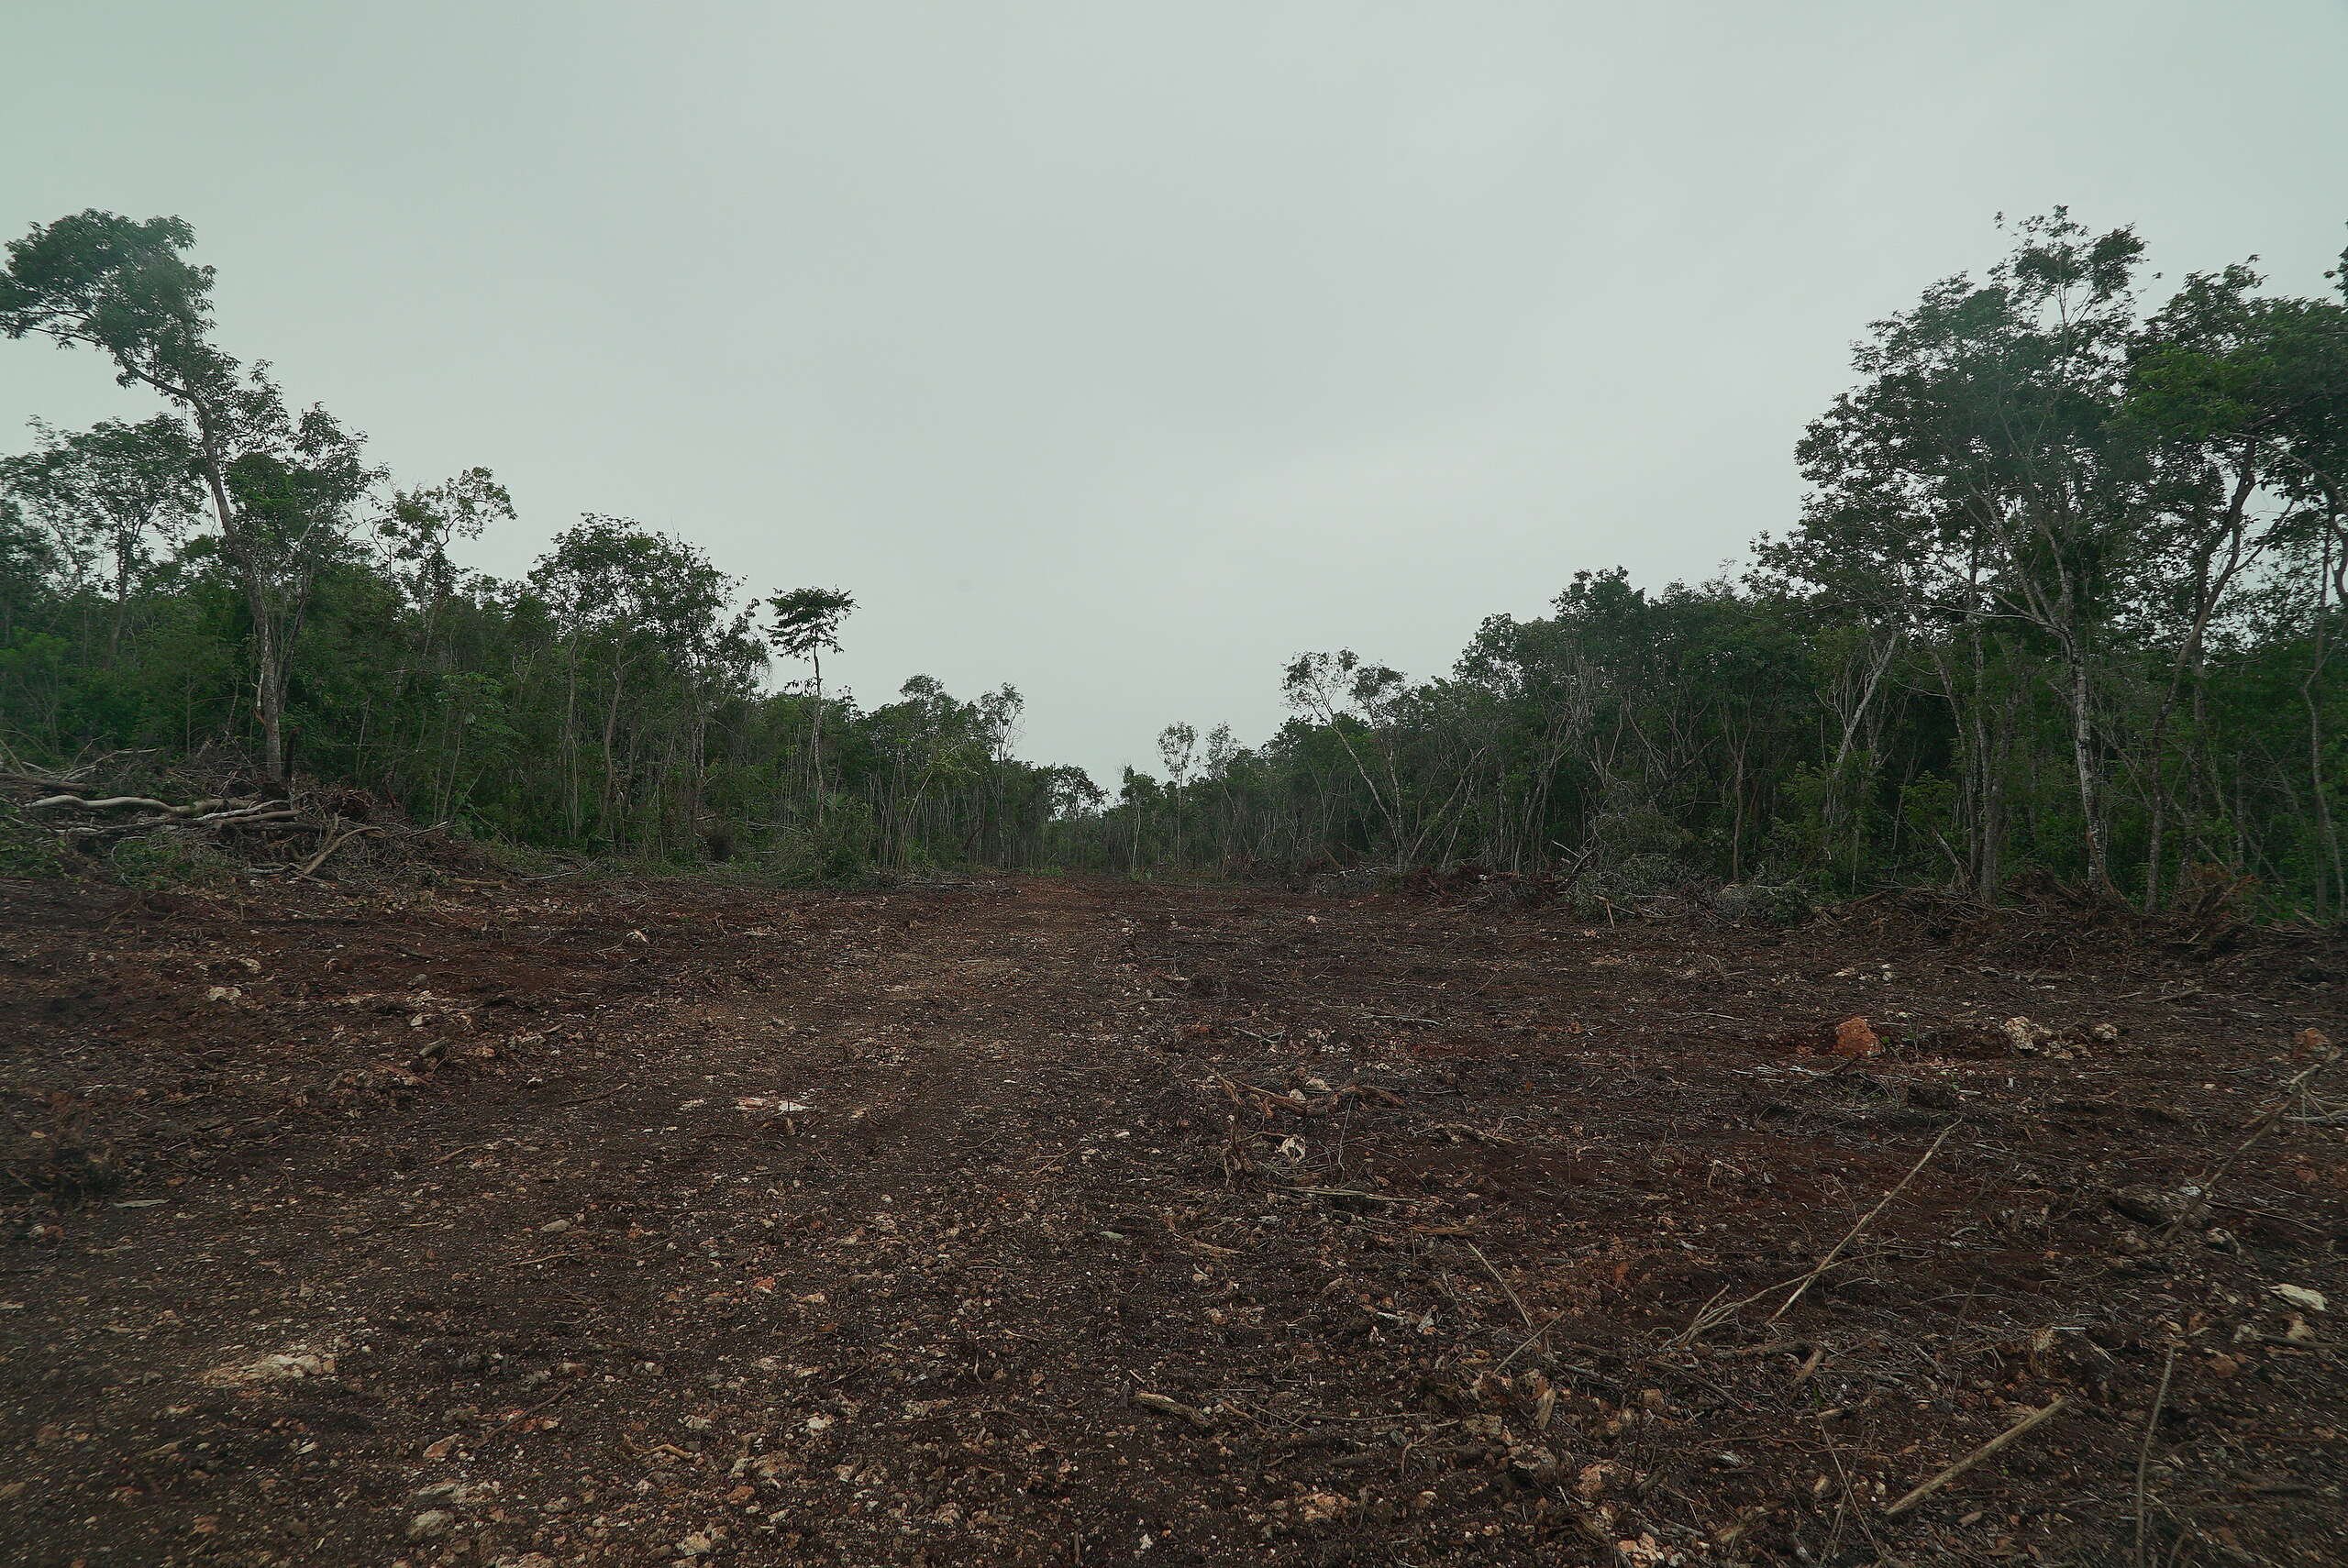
2063	601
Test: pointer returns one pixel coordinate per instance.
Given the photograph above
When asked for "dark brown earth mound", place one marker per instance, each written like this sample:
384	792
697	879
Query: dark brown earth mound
1049	1222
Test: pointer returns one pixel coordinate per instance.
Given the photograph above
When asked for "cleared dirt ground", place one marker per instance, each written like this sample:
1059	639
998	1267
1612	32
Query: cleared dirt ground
1063	1222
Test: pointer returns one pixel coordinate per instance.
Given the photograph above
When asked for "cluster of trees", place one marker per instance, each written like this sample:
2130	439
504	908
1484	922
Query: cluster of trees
232	576
2064	601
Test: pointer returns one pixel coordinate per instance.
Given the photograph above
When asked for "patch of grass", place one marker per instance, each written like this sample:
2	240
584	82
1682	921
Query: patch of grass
29	851
160	860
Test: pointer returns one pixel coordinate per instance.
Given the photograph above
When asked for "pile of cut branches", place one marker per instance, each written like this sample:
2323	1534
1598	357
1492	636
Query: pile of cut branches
92	806
75	809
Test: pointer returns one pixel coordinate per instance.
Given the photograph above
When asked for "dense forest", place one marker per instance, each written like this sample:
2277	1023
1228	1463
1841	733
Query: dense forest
2063	601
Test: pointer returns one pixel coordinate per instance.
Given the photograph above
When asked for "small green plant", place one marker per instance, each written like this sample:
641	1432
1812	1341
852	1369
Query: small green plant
520	859
27	851
165	860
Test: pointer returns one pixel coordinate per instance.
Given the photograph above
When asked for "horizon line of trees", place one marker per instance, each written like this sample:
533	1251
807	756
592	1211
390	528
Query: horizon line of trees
2062	601
232	578
2065	599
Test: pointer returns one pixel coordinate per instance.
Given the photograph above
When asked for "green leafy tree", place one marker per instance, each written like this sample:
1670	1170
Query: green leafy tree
280	483
805	624
109	498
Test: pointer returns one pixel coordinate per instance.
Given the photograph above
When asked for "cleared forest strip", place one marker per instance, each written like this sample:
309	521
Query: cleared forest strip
1022	1221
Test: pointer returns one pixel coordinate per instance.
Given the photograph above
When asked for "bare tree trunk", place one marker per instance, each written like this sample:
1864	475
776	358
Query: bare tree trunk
815	766
2083	761
2332	573
268	660
570	740
2207	593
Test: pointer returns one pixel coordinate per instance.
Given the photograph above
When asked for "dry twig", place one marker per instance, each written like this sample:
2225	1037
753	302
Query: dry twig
1506	1289
1169	1407
1827	1260
334	841
2266	1123
2144	1455
1976	1457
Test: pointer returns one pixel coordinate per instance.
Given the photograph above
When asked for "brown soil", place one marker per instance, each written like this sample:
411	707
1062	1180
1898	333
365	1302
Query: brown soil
1147	1225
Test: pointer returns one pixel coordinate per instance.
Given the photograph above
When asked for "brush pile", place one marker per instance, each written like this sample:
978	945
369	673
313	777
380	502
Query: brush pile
96	805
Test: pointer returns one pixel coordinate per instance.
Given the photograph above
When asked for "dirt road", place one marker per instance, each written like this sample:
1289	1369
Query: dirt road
1059	1223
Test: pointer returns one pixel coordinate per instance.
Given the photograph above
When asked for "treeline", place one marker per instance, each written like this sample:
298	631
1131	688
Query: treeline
2062	604
2065	601
230	585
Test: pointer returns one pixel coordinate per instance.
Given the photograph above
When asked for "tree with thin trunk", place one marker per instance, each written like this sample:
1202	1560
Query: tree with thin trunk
280	483
806	624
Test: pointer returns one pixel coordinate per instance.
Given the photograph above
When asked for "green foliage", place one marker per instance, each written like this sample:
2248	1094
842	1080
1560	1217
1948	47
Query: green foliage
1764	903
2065	600
163	860
27	851
807	621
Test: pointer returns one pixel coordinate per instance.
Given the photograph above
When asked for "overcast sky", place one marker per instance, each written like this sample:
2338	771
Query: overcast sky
1120	351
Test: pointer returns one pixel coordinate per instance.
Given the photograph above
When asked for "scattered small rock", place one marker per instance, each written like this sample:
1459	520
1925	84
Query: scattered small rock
2301	1295
282	1367
431	1524
1536	1462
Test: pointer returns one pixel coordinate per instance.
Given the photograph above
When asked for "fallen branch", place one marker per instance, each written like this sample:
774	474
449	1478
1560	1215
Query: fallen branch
2144	1455
117	830
127	802
332	844
103	803
1267	1100
260	822
591	1098
1976	1457
1165	1406
2265	1123
43	781
1827	1260
1365	1197
246	810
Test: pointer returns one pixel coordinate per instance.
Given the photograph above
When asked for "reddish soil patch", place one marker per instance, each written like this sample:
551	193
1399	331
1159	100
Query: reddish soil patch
1054	1223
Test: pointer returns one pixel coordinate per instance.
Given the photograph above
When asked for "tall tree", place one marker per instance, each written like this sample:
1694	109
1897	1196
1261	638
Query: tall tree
281	484
1984	434
806	624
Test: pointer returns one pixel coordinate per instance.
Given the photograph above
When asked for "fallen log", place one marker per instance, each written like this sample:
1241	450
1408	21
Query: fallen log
125	802
104	804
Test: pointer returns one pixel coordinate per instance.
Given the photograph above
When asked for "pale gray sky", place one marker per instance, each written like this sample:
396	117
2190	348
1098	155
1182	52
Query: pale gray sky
1120	351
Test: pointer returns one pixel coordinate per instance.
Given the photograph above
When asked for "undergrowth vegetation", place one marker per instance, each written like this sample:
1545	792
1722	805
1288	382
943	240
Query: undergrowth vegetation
2062	604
